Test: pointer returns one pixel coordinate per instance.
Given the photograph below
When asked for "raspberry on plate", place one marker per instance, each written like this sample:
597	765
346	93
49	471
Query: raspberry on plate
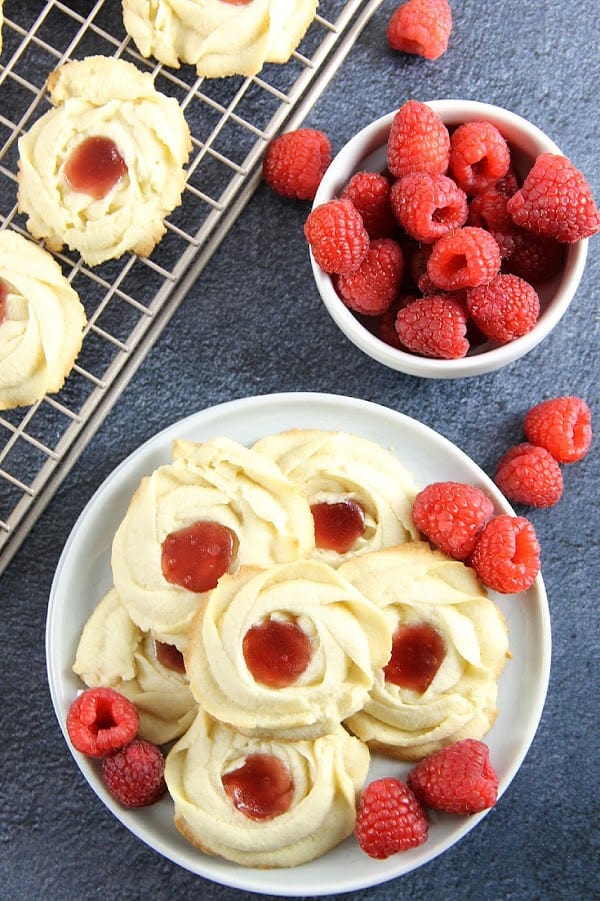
464	258
451	515
479	156
457	779
101	720
556	201
370	194
135	774
434	326
528	474
563	425
504	309
421	27
295	162
337	236
418	141
428	206
372	287
389	819
506	556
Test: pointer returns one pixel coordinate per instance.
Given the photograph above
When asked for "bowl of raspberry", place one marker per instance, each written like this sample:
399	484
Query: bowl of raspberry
448	238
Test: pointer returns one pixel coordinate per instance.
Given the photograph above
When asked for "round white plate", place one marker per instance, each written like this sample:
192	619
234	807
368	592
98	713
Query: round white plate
83	576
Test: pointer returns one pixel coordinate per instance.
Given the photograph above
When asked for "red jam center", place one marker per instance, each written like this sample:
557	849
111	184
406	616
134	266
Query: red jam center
276	653
417	653
95	167
262	788
3	296
338	525
169	656
196	557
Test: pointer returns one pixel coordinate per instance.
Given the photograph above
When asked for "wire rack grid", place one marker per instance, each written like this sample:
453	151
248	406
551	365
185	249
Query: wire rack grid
129	301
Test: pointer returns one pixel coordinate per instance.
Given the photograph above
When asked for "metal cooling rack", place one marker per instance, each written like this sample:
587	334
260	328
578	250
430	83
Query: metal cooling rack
129	301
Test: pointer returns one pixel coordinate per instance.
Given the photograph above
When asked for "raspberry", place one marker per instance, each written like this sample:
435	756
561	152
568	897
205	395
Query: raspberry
457	779
505	309
533	257
386	325
556	201
563	425
488	210
451	515
464	258
370	194
528	474
418	141
479	156
337	236
389	819
101	720
434	326
372	287
421	27
135	774
506	556
295	162
428	206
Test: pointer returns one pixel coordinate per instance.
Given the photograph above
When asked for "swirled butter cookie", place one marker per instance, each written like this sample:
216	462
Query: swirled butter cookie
41	322
263	802
217	506
449	647
113	652
101	170
289	650
360	495
218	37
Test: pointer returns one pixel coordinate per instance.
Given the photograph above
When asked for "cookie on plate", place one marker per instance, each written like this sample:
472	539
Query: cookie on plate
41	322
263	802
101	170
218	37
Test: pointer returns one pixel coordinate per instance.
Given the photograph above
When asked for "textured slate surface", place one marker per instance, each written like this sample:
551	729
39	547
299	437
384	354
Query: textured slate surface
253	324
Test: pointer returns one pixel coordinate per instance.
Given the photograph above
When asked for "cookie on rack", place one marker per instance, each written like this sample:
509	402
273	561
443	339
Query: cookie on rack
218	37
449	647
113	652
263	802
41	322
102	170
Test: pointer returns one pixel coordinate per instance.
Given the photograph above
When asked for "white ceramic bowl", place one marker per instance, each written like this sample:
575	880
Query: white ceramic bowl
367	151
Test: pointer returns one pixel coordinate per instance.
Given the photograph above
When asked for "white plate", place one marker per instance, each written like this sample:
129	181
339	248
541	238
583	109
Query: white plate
83	576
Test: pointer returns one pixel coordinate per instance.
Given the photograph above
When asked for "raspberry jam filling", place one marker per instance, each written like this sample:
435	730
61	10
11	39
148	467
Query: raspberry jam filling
417	653
3	296
169	656
338	525
276	652
197	556
95	167
262	788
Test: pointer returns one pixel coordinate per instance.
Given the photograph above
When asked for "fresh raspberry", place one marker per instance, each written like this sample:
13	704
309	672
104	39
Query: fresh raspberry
101	720
555	201
488	210
418	141
428	206
506	556
337	236
135	774
451	515
421	27
370	194
457	779
295	162
434	326
464	258
532	257
528	474
386	324
372	287
416	265
389	819
563	425
479	156
505	309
